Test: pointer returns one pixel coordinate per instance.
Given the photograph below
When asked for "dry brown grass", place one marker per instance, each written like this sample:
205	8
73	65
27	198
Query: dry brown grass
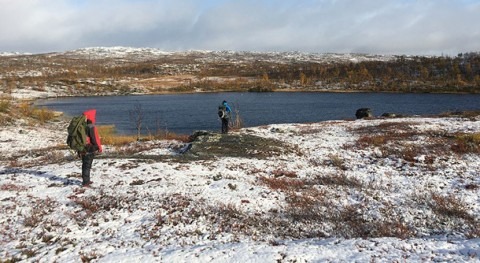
108	136
5	104
285	173
41	156
99	202
467	143
314	208
282	183
43	115
12	187
449	206
385	133
372	141
403	141
451	213
165	135
11	110
337	179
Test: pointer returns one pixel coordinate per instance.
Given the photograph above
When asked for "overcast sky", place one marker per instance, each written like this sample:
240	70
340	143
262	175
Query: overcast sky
414	27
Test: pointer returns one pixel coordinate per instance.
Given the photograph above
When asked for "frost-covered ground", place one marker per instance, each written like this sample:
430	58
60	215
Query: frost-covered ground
339	191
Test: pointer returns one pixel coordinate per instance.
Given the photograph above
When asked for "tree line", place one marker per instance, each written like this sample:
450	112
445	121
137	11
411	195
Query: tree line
403	74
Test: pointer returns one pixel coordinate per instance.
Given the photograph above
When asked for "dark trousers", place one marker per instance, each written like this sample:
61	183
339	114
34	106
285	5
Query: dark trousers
87	161
224	125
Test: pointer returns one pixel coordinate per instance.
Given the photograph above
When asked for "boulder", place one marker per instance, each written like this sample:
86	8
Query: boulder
363	113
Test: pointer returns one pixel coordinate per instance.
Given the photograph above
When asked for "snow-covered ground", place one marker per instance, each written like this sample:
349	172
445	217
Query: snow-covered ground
226	55
342	191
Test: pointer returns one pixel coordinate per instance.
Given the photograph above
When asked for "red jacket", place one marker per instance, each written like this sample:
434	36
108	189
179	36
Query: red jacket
92	132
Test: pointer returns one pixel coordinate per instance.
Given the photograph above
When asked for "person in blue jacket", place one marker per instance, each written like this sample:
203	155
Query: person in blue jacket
224	112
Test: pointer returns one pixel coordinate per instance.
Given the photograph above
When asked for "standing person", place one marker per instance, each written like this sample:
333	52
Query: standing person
93	146
224	112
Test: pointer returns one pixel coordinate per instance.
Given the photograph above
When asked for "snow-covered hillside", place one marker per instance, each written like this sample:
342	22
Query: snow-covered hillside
389	190
206	55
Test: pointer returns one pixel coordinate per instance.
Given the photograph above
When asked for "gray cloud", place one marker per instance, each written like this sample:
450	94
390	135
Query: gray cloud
367	26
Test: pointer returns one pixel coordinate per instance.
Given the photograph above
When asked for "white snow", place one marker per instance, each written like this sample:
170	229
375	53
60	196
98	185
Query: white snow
165	210
117	52
208	55
11	54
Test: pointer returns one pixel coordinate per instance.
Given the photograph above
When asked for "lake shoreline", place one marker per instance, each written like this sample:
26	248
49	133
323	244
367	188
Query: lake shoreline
35	100
199	113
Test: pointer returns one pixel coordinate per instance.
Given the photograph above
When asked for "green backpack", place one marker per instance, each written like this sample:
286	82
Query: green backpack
77	135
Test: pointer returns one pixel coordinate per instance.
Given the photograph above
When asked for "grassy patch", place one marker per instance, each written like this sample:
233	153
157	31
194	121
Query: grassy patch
5	105
109	136
209	145
43	115
11	110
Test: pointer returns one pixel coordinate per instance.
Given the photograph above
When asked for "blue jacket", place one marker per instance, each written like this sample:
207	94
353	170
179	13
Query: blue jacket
227	107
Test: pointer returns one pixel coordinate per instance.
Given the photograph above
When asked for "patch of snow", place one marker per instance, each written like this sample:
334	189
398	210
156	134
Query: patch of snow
150	205
12	54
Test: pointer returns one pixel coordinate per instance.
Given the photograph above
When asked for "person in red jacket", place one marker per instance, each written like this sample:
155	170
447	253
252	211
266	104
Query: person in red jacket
93	146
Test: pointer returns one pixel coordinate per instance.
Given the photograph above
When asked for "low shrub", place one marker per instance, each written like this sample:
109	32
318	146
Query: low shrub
449	206
25	109
337	161
5	105
340	179
467	143
282	183
473	230
5	119
43	115
371	141
40	208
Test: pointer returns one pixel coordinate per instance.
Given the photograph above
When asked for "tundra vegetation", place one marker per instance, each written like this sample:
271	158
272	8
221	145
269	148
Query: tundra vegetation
354	190
406	178
80	74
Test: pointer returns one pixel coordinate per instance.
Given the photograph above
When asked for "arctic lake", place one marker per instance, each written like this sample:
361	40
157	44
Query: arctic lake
186	113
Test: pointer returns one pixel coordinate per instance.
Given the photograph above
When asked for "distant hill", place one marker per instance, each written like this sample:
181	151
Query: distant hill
125	70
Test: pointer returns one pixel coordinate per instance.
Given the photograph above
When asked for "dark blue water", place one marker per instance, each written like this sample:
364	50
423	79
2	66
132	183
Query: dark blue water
186	113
